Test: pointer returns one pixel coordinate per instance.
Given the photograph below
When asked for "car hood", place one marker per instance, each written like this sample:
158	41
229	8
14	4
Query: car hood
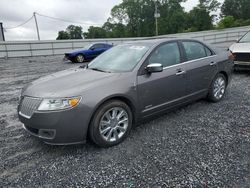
240	48
68	83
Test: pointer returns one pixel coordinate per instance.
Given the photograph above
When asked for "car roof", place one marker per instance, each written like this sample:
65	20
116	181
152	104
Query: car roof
152	42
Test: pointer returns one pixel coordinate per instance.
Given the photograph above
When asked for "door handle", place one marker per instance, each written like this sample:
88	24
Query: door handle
180	72
212	63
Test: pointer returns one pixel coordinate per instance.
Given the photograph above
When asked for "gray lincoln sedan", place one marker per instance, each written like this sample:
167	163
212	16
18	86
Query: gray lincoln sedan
123	86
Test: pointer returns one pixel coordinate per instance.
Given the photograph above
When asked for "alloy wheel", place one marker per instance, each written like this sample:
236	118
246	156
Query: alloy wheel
80	58
219	87
113	124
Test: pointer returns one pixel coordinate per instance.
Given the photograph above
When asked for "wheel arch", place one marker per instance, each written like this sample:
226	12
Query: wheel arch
122	98
225	74
79	53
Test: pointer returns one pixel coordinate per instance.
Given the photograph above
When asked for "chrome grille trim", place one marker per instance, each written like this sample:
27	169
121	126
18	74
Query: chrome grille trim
28	106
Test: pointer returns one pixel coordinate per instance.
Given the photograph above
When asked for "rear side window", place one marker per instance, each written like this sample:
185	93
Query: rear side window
208	51
196	50
167	55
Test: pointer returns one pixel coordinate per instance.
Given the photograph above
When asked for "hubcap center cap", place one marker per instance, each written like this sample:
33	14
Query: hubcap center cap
113	123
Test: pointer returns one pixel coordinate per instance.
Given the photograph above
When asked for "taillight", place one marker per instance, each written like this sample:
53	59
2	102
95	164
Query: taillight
232	56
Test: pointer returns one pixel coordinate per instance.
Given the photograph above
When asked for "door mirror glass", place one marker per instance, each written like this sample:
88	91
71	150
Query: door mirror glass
154	67
92	48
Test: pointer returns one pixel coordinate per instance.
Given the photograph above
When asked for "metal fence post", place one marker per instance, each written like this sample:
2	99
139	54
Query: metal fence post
31	53
6	50
52	45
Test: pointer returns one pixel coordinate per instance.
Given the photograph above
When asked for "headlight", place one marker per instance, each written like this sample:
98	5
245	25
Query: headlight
58	104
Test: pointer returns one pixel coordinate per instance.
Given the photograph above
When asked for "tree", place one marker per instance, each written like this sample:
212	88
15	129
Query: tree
75	32
95	32
72	32
135	18
239	9
200	17
226	22
173	17
62	35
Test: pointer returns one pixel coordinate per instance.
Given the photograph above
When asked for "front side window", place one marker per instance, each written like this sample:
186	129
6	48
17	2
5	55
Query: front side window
167	55
194	50
98	46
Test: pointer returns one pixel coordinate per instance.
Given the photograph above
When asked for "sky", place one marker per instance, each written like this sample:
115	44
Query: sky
87	12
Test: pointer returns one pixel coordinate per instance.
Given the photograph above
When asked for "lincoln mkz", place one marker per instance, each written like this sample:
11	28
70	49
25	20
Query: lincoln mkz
124	86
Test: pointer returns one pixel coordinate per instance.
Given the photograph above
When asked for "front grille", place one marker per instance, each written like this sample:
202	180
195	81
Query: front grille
28	105
242	57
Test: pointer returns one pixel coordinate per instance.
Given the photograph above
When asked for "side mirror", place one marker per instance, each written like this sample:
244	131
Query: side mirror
154	67
92	48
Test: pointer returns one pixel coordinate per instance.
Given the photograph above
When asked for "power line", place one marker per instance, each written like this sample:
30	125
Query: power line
7	28
63	20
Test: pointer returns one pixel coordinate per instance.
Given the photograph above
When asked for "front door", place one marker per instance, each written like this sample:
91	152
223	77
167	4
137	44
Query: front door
159	91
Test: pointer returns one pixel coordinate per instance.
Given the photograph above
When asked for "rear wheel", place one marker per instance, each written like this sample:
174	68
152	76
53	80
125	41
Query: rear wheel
218	88
111	124
80	58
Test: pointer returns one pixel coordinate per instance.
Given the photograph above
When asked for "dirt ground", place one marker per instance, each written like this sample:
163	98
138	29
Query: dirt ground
199	145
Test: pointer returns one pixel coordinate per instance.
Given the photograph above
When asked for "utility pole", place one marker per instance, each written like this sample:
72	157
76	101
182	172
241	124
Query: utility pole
156	15
1	32
37	30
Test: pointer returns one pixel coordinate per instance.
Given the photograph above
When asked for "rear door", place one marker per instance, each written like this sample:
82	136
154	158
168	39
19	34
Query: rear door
201	66
158	91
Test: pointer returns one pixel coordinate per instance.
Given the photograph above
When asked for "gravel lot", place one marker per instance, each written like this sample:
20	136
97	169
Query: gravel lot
200	145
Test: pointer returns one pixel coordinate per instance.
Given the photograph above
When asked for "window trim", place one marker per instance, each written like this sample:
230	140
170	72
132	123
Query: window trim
190	61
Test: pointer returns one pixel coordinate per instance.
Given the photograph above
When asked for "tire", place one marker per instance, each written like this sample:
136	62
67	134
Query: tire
217	89
80	58
109	132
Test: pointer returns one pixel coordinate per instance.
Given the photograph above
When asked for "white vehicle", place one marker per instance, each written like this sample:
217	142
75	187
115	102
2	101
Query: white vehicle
241	52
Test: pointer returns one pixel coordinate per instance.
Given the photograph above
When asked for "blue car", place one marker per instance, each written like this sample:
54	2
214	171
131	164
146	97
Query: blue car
88	53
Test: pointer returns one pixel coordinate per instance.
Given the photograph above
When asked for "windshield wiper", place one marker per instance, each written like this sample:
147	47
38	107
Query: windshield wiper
100	70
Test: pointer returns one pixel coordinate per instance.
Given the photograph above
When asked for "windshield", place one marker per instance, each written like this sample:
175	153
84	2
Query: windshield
245	38
87	46
121	58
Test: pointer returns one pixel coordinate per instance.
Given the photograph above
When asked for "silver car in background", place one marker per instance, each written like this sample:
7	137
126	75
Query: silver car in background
122	87
241	52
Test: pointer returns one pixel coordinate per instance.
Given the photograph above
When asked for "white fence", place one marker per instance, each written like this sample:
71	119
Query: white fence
221	38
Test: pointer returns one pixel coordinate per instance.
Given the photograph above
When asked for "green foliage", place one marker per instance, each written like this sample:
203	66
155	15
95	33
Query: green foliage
72	32
226	22
62	35
135	18
95	32
199	19
239	9
229	21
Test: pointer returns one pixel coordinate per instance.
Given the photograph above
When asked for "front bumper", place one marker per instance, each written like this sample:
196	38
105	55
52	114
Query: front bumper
68	57
242	65
59	127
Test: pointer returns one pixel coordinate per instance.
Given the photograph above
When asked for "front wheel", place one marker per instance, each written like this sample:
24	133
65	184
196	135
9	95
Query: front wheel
79	58
218	88
111	124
